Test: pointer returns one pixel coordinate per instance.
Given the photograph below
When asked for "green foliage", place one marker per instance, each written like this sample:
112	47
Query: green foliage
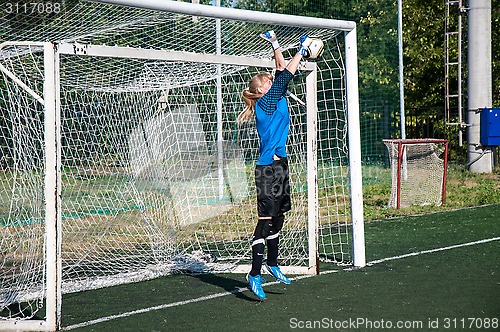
495	51
314	8
423	36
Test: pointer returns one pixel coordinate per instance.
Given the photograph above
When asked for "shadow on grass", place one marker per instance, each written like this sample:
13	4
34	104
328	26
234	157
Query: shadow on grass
233	286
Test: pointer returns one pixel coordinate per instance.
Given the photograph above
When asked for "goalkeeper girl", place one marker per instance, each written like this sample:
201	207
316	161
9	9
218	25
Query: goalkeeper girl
265	100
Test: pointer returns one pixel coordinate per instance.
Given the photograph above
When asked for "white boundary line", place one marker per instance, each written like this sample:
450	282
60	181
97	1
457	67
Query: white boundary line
431	251
241	290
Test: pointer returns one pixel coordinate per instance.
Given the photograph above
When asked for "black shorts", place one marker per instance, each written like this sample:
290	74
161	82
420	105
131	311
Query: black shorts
273	188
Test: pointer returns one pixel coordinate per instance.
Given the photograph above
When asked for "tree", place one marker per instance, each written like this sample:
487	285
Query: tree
495	50
423	39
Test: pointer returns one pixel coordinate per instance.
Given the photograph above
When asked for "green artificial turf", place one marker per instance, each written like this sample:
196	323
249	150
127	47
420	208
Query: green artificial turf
450	288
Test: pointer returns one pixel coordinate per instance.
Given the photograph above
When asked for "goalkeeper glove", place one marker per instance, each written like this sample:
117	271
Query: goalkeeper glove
305	41
270	36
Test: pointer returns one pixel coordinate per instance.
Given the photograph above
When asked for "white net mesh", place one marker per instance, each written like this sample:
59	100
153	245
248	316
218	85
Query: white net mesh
148	186
421	174
22	268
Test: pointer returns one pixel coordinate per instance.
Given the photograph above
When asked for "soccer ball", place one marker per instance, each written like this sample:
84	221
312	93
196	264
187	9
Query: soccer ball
315	49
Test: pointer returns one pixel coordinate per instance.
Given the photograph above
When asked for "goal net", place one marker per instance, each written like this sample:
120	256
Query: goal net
418	168
121	159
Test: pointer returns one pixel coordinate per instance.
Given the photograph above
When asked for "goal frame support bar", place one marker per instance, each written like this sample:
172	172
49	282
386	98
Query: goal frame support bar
167	55
13	77
311	105
52	192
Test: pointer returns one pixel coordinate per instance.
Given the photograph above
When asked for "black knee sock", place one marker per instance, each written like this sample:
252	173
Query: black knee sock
257	257
272	251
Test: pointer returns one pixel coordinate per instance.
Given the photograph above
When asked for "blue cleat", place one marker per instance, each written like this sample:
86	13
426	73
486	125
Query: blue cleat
256	285
276	272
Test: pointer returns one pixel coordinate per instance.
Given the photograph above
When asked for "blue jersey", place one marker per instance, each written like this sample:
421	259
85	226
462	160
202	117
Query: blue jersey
272	119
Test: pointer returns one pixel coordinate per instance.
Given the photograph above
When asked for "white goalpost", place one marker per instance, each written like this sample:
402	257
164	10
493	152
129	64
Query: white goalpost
121	159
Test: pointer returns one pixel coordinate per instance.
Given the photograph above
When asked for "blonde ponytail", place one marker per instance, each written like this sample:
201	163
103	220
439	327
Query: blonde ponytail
251	95
248	113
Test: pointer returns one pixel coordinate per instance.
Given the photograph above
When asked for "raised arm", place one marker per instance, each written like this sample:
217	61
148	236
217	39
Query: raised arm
301	52
279	60
279	86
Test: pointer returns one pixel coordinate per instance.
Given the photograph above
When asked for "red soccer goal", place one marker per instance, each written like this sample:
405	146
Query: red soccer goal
418	168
